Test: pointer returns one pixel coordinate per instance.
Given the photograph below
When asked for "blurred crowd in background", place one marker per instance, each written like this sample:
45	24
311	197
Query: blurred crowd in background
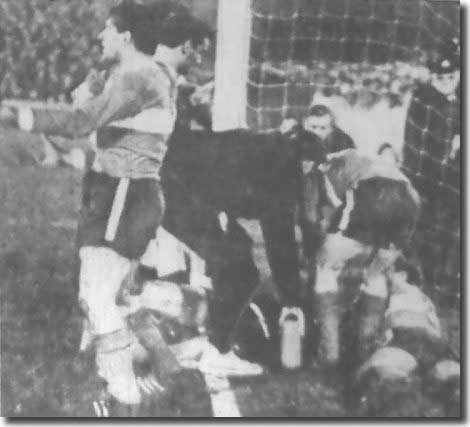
359	83
47	48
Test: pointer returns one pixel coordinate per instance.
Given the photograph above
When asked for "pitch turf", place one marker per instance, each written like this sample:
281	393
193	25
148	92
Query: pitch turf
42	374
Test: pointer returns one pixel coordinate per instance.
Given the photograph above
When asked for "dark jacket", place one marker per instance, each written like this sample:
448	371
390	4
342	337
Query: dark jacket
243	174
431	124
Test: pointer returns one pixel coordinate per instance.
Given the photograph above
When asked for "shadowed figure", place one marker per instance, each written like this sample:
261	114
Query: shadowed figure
246	176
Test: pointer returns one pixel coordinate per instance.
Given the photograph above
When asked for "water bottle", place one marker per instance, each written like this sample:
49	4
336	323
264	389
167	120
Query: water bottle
292	324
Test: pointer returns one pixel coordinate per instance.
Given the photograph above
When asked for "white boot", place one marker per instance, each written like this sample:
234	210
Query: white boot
214	363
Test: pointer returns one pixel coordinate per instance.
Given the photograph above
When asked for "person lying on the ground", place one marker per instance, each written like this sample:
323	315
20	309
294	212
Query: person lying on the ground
196	311
199	302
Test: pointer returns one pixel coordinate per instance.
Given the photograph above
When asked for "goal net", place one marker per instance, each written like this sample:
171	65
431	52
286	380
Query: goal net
361	50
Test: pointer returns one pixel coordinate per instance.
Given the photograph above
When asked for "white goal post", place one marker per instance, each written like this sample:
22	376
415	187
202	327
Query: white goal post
231	65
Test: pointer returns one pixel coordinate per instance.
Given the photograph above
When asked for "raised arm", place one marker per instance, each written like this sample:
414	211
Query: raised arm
119	100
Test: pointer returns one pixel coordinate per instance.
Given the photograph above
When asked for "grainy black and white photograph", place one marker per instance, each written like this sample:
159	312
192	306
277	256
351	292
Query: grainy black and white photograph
234	209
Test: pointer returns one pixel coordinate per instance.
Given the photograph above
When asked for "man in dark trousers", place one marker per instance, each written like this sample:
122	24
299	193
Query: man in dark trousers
431	159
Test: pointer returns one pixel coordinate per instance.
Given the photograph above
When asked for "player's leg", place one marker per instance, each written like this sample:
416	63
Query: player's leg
390	225
332	257
141	217
234	276
309	216
106	262
373	302
281	248
101	274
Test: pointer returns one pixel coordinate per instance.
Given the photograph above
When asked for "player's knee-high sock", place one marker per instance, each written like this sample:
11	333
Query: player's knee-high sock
371	310
101	275
328	314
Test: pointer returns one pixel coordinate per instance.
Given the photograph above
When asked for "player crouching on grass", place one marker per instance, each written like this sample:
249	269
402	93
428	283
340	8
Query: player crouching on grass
123	200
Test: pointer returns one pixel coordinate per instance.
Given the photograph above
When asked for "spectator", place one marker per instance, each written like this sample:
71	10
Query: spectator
432	141
35	31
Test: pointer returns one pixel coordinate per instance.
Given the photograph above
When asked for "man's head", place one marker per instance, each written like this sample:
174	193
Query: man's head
129	27
182	36
320	121
445	68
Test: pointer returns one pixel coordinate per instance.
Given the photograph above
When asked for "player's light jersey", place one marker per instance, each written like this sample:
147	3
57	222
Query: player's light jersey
347	168
133	116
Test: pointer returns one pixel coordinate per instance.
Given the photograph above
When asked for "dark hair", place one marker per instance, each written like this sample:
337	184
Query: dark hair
177	25
139	21
320	110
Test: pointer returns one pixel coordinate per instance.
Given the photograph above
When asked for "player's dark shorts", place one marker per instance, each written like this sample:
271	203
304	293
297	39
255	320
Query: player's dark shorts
141	214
